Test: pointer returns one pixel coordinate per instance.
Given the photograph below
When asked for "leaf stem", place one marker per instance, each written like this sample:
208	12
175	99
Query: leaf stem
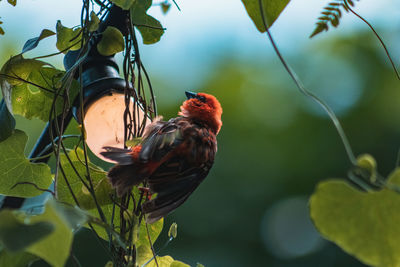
377	36
307	93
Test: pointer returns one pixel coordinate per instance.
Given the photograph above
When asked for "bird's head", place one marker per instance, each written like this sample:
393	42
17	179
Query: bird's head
204	108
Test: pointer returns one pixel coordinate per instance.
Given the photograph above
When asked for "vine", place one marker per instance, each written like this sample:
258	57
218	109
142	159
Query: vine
80	192
76	180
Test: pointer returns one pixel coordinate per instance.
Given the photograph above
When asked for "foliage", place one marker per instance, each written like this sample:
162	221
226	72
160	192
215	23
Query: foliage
365	224
68	38
111	42
272	9
331	14
360	222
20	177
48	236
34	89
150	28
72	184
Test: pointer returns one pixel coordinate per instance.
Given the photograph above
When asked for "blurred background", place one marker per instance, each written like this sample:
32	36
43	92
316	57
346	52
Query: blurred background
275	144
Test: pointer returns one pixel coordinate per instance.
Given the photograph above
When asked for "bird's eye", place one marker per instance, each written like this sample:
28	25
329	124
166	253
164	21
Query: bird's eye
201	98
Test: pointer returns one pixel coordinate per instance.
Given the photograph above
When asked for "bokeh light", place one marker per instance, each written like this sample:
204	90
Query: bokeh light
287	231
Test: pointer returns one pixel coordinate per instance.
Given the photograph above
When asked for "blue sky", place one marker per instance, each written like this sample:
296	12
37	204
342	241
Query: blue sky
202	33
200	24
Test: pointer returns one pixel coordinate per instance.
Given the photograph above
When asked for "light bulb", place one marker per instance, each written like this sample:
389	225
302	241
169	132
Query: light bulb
104	123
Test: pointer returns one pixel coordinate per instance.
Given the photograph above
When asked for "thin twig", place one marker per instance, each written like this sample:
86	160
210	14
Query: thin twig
377	36
303	90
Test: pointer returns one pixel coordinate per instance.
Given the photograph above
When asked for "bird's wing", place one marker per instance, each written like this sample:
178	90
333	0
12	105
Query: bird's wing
158	143
176	178
174	181
152	134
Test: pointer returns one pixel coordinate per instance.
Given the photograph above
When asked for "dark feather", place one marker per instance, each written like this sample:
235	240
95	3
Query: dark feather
174	158
123	177
120	155
161	141
176	179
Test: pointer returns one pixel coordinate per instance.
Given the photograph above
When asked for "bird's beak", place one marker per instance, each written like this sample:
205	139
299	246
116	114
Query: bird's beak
190	95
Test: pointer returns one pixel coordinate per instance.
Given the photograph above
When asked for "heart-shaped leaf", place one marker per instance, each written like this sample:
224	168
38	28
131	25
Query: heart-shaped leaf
16	235
67	38
16	168
99	178
29	88
112	42
54	248
364	224
271	10
150	28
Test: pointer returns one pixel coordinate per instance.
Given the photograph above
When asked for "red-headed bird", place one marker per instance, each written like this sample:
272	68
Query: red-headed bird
173	157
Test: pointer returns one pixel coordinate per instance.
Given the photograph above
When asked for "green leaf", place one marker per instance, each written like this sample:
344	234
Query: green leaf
272	10
150	28
99	178
142	238
12	2
176	263
16	235
33	43
72	215
14	72
19	259
143	255
47	235
94	22
18	69
363	224
54	248
154	231
164	261
124	4
15	168
35	102
67	38
112	42
29	88
319	28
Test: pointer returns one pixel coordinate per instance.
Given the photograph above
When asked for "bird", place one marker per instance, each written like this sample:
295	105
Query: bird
172	158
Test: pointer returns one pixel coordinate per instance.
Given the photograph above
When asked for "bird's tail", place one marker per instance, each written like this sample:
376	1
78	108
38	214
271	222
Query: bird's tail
125	174
120	155
123	177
